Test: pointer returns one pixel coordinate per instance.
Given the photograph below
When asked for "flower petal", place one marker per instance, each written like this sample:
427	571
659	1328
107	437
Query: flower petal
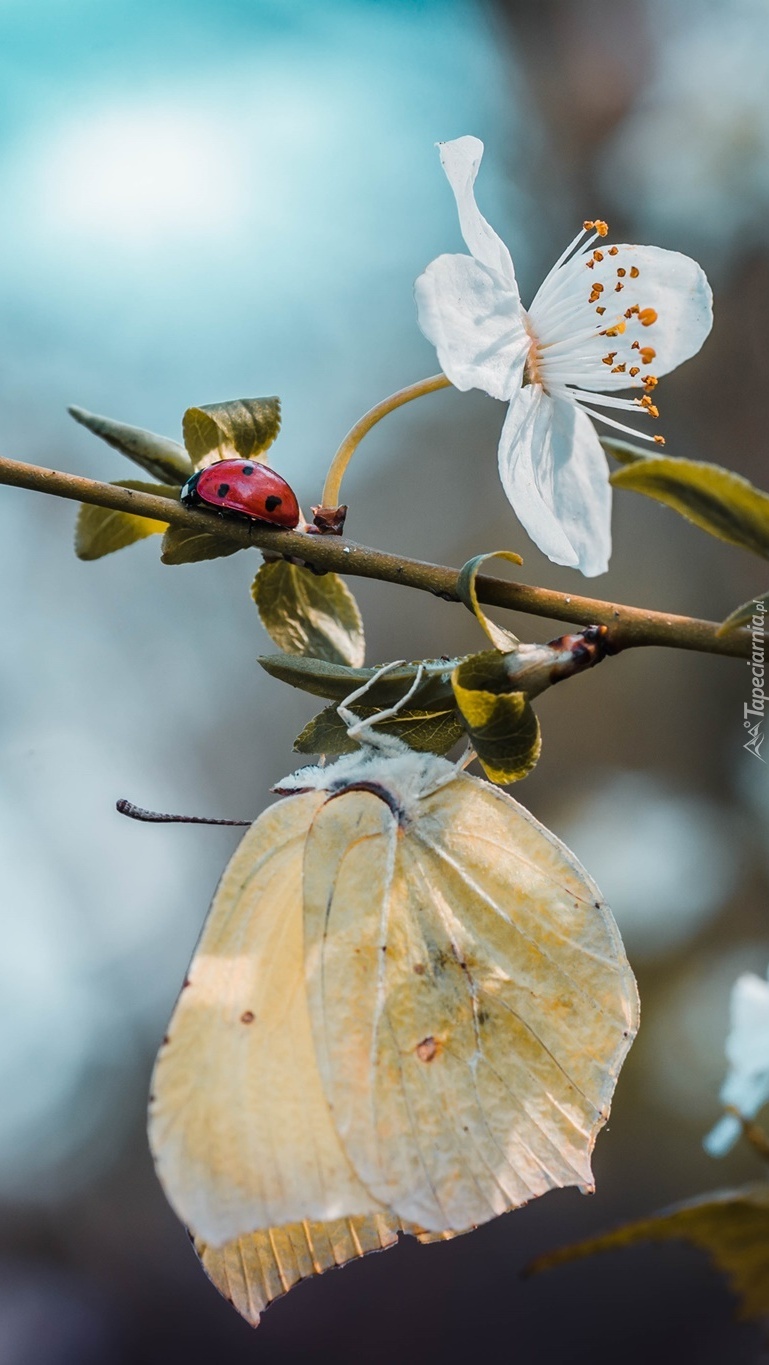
604	320
555	474
746	1087
460	160
475	325
669	284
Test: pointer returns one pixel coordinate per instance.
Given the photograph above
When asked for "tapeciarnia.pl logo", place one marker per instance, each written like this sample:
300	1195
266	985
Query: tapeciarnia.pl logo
754	710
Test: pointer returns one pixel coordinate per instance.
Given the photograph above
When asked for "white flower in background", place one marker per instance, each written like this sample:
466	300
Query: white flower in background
746	1088
606	318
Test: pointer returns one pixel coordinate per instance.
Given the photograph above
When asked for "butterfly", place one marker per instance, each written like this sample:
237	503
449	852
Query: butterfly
406	1013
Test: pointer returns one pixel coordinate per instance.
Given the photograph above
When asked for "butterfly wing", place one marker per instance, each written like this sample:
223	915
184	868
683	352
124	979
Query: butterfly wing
470	1000
239	1125
253	1271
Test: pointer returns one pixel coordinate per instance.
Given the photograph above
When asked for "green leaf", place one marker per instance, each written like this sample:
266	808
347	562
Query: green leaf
305	614
718	501
184	546
743	615
732	1226
336	682
100	530
426	731
243	428
161	458
623	451
502	727
501	638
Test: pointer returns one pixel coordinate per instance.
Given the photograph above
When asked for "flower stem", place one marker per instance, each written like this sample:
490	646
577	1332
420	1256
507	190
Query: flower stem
333	484
628	626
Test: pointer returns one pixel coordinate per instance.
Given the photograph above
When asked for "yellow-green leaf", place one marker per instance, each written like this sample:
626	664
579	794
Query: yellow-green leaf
305	614
717	500
731	1226
743	616
101	530
624	452
335	682
182	545
161	458
499	636
502	727
426	731
243	428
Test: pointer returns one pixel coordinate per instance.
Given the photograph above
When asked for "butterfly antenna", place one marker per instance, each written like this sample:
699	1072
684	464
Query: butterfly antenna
156	818
357	726
361	691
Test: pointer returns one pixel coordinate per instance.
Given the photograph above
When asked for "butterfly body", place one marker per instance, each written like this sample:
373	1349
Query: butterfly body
244	488
407	1011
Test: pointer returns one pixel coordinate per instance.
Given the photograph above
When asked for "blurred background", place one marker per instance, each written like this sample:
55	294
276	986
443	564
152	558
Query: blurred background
206	199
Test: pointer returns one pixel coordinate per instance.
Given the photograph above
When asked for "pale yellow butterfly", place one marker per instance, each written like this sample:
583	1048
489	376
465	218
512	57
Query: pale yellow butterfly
407	1012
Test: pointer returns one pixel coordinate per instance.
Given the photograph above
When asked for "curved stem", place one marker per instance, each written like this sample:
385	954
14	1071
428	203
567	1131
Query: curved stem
628	626
333	484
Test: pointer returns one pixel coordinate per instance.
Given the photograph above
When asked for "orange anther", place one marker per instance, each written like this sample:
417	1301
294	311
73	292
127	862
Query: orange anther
618	288
588	224
647	353
613	250
598	287
619	369
621	270
634	272
634	370
650	381
590	264
601	311
660	440
609	359
647	316
597	255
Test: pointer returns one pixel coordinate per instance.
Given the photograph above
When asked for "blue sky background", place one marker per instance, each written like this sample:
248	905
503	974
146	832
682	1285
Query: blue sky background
204	200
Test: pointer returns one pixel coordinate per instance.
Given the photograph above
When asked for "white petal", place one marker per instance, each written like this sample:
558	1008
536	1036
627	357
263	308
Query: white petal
460	160
554	473
746	1087
671	284
475	325
722	1138
747	1047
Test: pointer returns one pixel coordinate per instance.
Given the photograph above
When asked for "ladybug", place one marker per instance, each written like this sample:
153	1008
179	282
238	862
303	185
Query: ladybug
245	488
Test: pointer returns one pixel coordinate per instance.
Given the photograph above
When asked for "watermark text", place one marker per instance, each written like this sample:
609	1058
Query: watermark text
754	711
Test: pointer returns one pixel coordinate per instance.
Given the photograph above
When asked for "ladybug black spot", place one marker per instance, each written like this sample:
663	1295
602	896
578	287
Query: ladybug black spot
272	502
222	490
247	469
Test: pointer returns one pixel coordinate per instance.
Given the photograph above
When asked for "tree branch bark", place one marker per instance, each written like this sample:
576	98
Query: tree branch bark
628	626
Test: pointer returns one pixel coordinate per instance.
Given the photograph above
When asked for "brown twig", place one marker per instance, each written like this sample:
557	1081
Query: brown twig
628	626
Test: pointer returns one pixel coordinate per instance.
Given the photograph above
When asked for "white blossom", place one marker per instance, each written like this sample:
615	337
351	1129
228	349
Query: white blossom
746	1088
606	318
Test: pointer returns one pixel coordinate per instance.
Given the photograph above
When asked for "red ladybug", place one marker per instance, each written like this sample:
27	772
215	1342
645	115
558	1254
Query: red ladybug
247	489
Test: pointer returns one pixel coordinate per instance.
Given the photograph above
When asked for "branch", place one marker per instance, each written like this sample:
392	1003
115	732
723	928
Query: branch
628	626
